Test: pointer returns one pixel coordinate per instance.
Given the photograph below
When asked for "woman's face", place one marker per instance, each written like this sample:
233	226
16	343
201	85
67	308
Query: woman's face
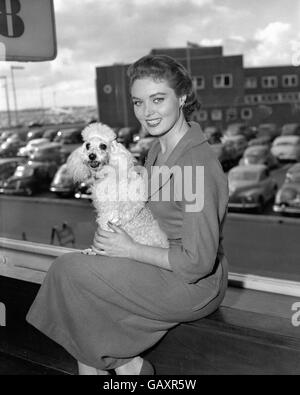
156	105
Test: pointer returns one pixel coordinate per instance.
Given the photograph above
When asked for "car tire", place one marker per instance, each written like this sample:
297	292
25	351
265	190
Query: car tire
260	208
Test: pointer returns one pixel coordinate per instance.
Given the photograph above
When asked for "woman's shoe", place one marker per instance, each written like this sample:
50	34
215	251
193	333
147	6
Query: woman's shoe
147	369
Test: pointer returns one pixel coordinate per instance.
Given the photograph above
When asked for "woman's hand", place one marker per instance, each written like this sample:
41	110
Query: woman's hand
115	244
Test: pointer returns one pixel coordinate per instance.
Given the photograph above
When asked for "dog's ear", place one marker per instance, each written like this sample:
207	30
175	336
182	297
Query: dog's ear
75	166
120	156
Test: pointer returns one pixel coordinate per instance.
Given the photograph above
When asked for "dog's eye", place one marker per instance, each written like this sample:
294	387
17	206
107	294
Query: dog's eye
103	146
87	146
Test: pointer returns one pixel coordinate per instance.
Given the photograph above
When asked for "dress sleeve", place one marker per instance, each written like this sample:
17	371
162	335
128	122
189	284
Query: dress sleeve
195	257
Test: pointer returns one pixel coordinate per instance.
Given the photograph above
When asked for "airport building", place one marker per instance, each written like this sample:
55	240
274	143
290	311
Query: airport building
228	91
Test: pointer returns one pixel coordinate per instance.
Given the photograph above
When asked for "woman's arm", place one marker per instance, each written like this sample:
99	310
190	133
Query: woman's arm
119	244
155	256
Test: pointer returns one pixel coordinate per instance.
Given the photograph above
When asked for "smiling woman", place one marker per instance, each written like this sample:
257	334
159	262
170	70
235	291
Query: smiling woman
130	294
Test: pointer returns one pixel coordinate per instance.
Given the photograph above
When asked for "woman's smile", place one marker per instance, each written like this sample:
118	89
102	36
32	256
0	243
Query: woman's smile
152	123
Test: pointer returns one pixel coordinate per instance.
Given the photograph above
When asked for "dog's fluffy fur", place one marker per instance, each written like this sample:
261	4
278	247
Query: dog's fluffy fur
118	190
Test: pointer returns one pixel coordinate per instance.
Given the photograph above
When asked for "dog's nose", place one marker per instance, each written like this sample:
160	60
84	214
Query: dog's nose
92	156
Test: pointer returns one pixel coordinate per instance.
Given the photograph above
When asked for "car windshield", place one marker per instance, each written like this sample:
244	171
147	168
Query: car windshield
284	143
267	127
243	176
294	178
68	137
24	171
252	156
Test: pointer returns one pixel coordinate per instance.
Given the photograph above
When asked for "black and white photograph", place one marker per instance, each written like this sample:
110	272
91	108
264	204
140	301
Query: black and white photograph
149	190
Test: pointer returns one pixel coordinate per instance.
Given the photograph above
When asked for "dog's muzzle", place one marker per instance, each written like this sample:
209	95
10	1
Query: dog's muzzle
93	162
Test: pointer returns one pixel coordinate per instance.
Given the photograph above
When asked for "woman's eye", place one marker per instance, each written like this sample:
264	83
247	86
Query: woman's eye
137	103
87	146
158	100
103	146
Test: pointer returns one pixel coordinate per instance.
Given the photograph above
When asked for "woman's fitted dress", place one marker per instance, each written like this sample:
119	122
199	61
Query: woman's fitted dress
104	310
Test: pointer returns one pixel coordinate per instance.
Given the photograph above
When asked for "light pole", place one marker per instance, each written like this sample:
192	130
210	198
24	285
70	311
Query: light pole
7	100
42	96
190	45
12	68
54	98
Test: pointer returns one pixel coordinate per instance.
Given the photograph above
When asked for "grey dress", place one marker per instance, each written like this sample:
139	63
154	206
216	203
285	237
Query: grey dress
105	311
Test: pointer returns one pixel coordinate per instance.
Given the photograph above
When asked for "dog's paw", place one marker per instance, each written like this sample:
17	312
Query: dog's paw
88	251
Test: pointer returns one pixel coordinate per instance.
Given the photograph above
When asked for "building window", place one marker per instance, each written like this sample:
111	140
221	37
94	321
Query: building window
290	80
251	82
216	115
222	81
199	82
199	116
203	115
257	98
269	81
246	113
248	99
231	114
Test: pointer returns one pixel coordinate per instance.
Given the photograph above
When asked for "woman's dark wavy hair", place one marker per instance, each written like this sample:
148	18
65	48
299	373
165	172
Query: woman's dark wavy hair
163	67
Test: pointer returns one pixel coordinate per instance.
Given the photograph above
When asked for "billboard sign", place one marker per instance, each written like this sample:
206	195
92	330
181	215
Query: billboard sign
27	30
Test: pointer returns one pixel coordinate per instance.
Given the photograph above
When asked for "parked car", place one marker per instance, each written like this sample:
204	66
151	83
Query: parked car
50	133
34	133
28	179
213	134
224	156
240	129
141	148
70	139
62	183
11	146
235	145
126	135
287	199
29	148
20	133
250	187
8	167
259	154
263	140
268	129
286	148
290	129
83	191
48	152
5	135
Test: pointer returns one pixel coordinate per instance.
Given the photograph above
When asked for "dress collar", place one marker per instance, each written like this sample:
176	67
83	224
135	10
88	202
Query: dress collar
193	137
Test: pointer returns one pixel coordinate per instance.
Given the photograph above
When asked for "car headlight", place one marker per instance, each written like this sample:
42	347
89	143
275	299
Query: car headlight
249	198
250	195
286	194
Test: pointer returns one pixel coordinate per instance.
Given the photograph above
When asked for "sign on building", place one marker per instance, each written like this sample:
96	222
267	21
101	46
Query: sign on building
27	30
2	314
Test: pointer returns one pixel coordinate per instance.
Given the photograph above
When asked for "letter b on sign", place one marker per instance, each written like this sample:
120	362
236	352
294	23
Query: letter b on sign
11	25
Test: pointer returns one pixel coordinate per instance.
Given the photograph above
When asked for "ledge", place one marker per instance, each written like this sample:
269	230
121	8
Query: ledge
30	261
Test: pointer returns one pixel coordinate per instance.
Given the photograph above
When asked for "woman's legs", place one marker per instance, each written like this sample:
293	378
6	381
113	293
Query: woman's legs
133	367
85	370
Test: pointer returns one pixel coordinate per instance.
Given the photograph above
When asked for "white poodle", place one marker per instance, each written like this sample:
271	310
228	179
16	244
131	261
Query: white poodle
118	189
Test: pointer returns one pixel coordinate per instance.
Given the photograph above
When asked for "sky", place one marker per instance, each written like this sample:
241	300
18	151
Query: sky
93	33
